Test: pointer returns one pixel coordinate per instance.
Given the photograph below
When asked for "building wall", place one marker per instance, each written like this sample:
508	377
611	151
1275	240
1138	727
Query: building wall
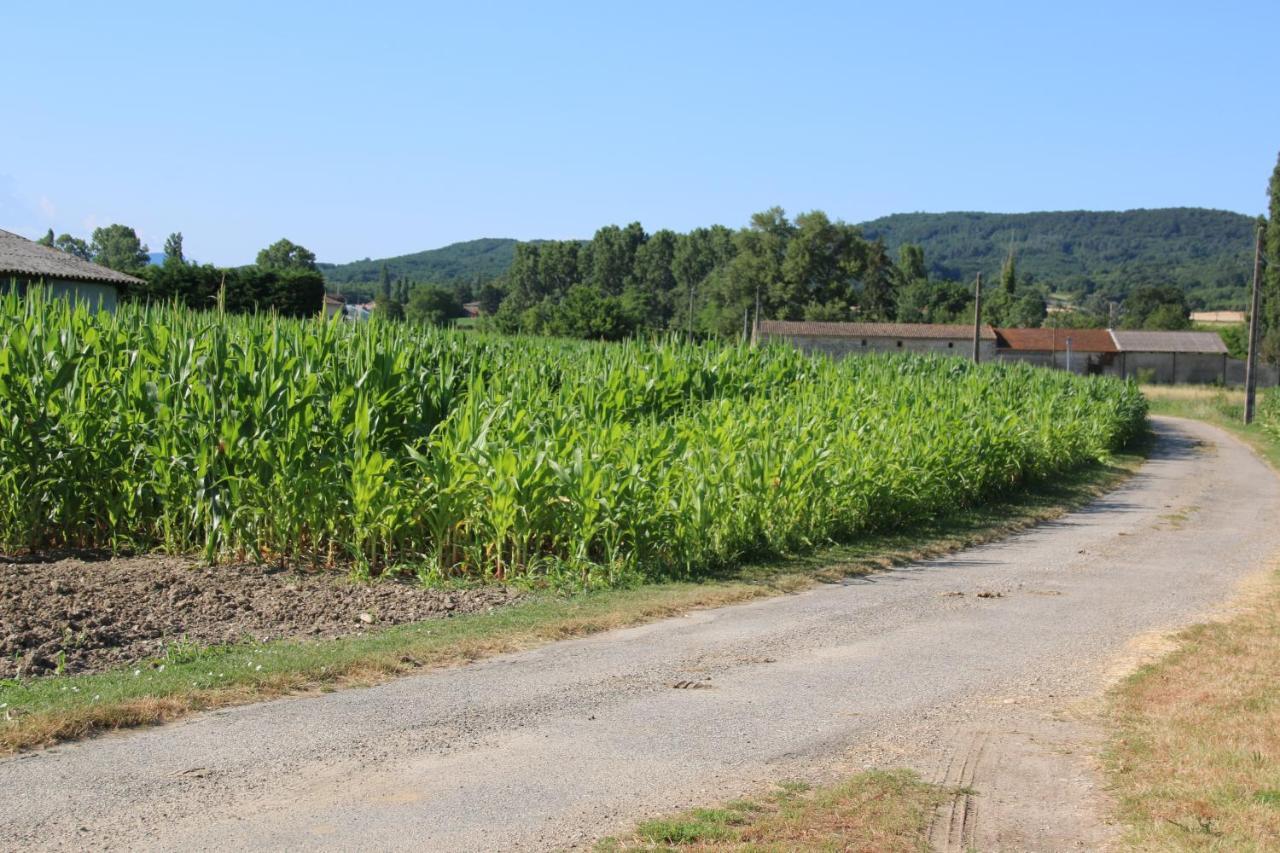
101	296
1180	368
1268	374
841	347
1105	364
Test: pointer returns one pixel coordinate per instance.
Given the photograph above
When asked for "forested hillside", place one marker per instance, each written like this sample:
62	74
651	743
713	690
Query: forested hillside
473	261
1206	253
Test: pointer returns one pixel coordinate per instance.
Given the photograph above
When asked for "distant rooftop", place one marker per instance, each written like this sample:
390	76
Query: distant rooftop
1055	340
1203	342
933	331
28	259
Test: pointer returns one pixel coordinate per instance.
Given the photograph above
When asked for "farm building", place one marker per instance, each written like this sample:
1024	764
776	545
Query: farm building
25	263
334	305
1172	357
841	339
1089	351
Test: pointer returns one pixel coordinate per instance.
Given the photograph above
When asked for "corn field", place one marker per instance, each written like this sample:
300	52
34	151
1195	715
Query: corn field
382	446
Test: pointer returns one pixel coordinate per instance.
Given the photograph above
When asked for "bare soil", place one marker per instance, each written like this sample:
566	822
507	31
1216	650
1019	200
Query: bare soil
79	616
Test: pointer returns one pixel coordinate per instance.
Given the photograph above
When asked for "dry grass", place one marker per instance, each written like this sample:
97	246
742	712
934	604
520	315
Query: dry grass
1195	760
884	812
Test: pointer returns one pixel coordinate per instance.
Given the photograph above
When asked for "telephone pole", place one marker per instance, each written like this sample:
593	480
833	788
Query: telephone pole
1251	364
977	319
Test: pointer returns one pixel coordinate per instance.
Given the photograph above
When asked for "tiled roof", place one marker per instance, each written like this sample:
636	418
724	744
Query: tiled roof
1055	340
1203	342
23	257
934	331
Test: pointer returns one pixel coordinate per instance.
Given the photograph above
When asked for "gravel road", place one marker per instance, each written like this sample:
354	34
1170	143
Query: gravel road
934	664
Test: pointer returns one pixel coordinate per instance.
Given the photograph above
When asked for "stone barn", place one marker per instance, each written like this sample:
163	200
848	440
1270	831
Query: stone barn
1084	351
843	339
24	263
1172	357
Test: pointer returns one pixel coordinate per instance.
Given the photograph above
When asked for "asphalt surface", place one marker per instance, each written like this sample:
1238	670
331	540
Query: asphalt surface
557	746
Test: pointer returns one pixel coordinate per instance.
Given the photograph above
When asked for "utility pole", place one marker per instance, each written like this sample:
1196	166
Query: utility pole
1068	355
1251	364
977	319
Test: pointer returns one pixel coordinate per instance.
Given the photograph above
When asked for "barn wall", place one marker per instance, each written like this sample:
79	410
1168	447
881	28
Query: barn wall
1106	364
96	295
1181	368
1268	374
842	346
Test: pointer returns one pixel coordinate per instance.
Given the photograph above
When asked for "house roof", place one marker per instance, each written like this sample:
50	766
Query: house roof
1202	342
935	331
329	299
1055	340
20	256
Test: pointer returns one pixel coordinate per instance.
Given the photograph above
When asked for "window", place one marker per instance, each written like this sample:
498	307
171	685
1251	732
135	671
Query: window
899	343
950	344
864	342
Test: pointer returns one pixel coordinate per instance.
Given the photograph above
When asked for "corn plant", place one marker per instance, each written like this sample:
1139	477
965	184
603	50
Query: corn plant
382	445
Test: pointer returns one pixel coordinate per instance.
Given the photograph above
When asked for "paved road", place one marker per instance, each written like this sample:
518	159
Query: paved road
555	746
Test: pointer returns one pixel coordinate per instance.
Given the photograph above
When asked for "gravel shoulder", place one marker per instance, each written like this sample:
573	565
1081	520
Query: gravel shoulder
957	666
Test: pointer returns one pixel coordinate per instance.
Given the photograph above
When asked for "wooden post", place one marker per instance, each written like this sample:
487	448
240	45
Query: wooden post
977	319
1251	363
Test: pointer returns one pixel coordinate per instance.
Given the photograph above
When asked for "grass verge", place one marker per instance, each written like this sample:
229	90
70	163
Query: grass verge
886	812
1194	754
41	711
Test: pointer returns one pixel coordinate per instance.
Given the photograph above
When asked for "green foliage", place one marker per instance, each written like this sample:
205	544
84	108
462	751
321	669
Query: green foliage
234	436
73	246
1208	254
118	247
433	304
1156	308
472	261
286	255
47	239
173	249
1271	275
290	292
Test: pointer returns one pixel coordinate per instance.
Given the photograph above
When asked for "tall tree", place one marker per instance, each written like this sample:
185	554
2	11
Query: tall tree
117	246
1009	274
173	249
47	239
73	246
1271	279
877	302
284	254
911	265
384	282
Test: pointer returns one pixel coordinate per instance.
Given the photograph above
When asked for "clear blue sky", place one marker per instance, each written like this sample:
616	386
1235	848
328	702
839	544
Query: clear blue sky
385	128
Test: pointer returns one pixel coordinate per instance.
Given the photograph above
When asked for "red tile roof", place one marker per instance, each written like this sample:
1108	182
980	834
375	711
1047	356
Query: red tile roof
1055	340
934	331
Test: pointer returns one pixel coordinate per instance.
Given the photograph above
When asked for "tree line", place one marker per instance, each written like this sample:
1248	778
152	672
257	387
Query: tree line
713	281
284	278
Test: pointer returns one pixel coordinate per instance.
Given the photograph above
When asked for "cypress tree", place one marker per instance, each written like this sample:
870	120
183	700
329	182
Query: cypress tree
1271	271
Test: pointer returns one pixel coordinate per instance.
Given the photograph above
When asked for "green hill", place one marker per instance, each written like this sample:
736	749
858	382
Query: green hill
474	260
1208	253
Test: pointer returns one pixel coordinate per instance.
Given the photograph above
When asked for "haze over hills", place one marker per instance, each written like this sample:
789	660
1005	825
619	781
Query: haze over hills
1208	253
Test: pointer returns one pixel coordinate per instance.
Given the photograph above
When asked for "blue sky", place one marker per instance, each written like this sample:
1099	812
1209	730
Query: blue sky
385	128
